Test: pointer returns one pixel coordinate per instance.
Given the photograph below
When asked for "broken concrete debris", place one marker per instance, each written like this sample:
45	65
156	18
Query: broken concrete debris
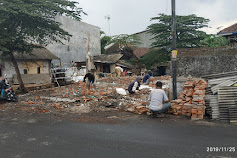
73	98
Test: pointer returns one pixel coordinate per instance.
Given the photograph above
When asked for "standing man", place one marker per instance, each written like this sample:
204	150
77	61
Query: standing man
159	101
90	82
147	78
134	86
118	71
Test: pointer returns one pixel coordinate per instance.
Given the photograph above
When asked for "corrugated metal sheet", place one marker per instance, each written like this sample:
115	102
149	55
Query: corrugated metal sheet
227	97
213	103
221	80
225	83
220	75
233	114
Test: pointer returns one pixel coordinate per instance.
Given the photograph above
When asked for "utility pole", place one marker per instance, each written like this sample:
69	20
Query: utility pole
174	51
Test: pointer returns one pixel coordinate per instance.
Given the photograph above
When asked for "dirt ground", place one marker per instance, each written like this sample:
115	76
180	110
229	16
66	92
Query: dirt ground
70	102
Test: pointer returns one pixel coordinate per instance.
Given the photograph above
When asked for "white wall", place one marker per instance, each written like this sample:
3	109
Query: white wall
76	49
146	39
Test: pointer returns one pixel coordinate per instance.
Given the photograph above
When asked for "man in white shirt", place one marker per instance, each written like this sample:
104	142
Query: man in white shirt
118	71
159	101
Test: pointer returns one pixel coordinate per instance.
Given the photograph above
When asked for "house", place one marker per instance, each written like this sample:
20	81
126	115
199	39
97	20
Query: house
84	37
146	40
107	63
34	67
104	63
140	52
230	33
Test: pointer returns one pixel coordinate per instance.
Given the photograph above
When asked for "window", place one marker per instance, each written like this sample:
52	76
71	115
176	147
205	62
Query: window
38	70
25	71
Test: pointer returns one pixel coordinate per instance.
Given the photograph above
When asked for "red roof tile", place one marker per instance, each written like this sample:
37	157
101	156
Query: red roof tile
140	52
232	28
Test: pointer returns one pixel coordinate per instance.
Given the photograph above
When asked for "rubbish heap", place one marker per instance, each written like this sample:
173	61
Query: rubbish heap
191	102
74	97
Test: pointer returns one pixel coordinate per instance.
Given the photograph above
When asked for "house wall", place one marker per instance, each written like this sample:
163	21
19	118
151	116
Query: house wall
146	39
76	49
30	65
112	68
99	67
198	62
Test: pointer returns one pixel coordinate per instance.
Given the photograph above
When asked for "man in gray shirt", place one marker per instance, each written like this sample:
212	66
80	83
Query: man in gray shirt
159	101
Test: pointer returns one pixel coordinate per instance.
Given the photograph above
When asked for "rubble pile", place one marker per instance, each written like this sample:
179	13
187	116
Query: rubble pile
75	98
166	77
191	100
121	80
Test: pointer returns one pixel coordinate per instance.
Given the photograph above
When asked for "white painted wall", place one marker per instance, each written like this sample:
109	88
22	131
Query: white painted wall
76	49
145	39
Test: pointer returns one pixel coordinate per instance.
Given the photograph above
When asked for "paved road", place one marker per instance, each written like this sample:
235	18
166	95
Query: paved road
145	138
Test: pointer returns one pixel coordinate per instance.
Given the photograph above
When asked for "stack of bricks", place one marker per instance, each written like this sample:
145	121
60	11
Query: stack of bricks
191	100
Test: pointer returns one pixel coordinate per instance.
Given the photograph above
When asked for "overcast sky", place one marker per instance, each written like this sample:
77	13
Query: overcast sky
132	16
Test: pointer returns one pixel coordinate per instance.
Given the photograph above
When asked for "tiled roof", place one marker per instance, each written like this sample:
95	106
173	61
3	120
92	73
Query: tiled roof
36	54
232	28
140	52
104	58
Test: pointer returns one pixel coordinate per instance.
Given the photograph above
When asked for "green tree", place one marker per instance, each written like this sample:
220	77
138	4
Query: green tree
25	22
188	31
214	41
104	40
155	56
125	41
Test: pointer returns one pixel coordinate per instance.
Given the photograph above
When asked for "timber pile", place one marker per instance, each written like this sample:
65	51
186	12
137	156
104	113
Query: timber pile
191	100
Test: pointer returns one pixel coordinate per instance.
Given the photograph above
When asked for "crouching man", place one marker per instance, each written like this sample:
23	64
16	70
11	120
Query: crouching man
159	101
134	86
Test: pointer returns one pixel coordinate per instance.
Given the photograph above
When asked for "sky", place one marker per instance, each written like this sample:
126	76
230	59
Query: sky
132	16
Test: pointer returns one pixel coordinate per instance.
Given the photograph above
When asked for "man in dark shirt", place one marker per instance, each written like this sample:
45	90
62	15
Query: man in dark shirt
134	86
147	78
90	81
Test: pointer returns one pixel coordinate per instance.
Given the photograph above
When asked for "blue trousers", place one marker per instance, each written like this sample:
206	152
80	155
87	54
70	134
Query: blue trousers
164	108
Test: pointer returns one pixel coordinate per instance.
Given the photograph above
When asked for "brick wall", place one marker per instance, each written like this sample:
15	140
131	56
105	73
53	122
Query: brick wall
204	61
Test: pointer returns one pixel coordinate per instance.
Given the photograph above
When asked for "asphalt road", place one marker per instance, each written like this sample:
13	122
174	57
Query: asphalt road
135	138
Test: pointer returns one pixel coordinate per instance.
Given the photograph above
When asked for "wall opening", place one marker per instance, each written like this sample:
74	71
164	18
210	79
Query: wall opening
25	71
38	70
106	68
161	70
